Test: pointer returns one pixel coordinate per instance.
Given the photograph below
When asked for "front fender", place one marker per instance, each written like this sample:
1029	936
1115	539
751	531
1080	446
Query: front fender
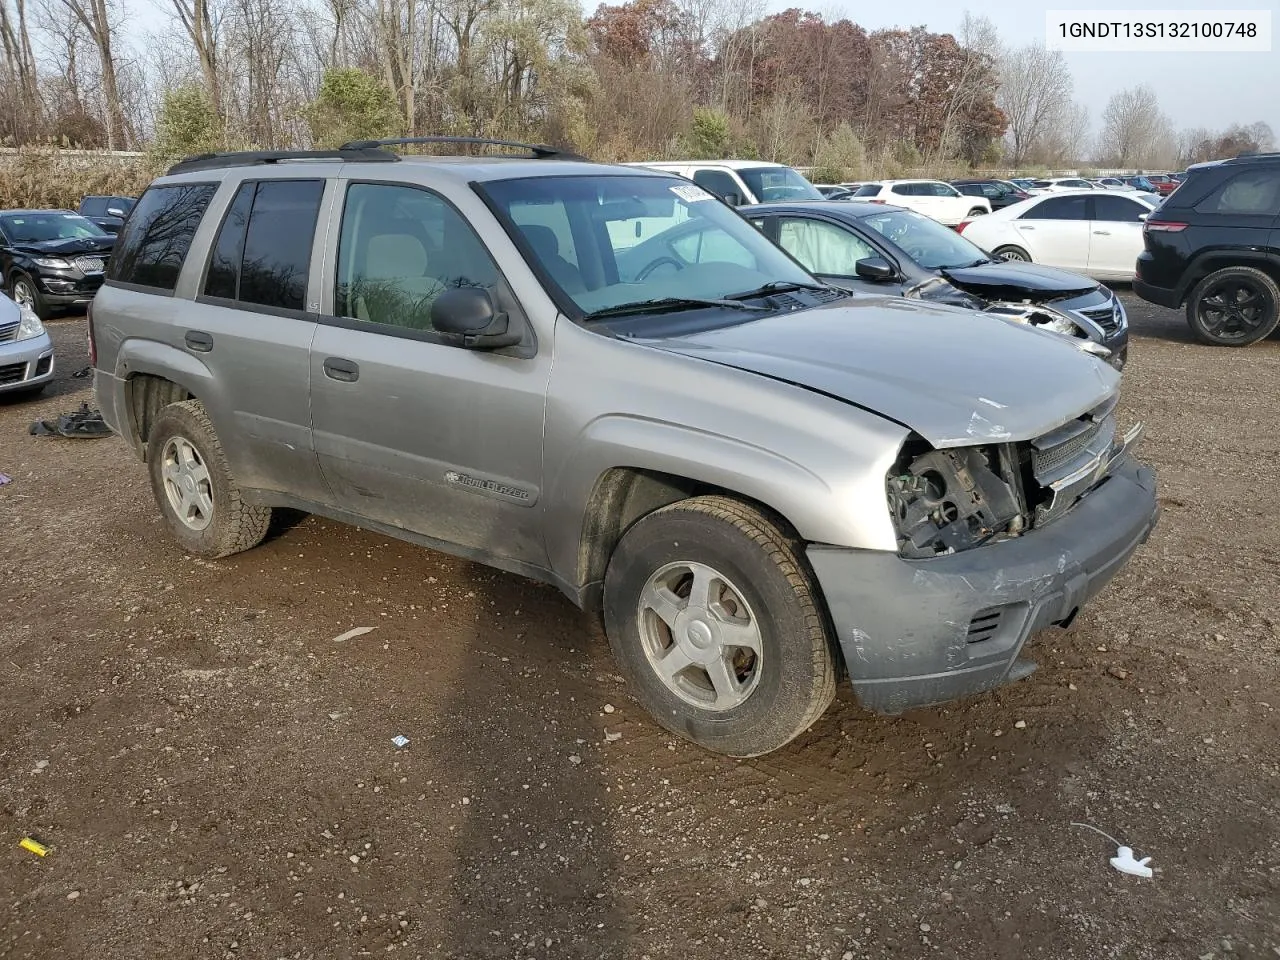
845	507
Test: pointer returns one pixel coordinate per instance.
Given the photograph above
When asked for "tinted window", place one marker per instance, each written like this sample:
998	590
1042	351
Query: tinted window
823	248
157	236
1059	208
277	245
719	183
1256	192
400	248
971	189
93	206
868	190
223	279
1118	209
905	189
778	183
939	190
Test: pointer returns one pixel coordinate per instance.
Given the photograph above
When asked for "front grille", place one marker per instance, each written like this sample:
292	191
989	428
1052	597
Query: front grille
984	625
90	264
1106	316
1052	459
13	373
9	333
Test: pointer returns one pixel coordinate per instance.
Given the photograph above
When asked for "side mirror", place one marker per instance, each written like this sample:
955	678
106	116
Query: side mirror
873	268
115	212
732	199
1143	216
468	313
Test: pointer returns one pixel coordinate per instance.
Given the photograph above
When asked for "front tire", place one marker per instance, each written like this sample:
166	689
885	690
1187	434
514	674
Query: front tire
1234	307
976	212
1016	254
25	292
713	618
194	488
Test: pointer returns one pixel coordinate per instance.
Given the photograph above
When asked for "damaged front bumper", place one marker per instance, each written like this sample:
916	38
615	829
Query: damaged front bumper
921	632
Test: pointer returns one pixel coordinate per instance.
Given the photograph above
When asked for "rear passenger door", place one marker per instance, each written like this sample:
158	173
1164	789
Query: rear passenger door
252	325
413	431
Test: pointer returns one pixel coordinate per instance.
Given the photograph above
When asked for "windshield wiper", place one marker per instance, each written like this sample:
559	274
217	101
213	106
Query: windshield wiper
966	266
778	286
665	305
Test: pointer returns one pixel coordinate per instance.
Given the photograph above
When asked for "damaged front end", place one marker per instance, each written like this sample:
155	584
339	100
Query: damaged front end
947	501
1023	312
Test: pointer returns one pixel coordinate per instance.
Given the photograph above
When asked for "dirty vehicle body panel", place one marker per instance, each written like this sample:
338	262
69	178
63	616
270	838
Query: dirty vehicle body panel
537	457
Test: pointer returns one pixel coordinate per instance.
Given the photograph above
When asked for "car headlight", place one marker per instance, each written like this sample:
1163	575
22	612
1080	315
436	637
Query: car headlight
51	263
30	325
945	501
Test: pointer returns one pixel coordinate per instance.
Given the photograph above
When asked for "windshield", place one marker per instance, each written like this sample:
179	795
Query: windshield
778	183
39	227
605	241
926	241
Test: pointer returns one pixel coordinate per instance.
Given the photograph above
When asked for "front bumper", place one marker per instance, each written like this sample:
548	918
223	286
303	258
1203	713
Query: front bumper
920	632
26	364
64	289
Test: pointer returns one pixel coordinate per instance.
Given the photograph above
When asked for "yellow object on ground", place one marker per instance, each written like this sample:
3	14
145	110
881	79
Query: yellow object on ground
39	849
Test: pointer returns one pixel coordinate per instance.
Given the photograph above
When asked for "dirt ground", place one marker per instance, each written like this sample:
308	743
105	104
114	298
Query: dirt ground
216	777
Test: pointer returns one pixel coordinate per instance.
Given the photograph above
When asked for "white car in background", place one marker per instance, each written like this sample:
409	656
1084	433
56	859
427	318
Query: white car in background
1096	232
740	183
935	199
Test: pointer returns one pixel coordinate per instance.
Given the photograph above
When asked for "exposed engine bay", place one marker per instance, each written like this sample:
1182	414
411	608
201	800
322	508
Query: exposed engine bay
945	501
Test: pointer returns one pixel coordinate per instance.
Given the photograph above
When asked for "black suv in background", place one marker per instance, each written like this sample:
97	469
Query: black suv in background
107	212
1001	193
52	259
1214	245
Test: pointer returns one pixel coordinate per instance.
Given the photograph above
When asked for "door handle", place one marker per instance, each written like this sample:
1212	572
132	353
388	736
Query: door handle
199	341
336	368
1102	233
1026	228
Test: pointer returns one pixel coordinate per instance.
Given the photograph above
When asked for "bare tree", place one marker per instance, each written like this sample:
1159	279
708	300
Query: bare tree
1134	131
96	16
201	19
1035	90
18	69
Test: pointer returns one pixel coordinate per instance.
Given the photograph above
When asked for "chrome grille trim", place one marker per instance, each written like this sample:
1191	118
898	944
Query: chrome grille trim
90	264
10	333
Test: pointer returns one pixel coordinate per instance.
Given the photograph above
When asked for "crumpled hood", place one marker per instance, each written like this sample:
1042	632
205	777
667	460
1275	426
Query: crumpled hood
1017	281
68	248
956	377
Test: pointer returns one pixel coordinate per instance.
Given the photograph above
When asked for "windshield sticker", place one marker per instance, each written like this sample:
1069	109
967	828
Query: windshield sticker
71	216
690	193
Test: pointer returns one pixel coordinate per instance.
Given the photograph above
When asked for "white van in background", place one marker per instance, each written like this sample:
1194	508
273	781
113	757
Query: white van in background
741	182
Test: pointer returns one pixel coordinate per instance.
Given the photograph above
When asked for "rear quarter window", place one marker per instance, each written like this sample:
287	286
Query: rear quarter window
93	206
157	237
1253	192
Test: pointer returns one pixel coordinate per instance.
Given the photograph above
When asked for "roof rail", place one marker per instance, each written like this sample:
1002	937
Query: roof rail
540	151
1251	154
249	158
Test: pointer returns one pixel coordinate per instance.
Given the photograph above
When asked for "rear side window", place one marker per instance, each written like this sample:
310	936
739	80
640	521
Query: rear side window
868	190
905	189
157	237
1254	192
262	254
93	206
1059	208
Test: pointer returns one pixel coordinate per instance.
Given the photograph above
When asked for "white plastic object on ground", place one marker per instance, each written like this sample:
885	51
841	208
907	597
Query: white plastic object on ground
352	634
1123	860
400	740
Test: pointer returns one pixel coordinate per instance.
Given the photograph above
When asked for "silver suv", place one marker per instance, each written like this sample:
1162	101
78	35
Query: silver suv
535	363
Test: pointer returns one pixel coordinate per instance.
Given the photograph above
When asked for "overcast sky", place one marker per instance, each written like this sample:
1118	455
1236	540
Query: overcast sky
1196	90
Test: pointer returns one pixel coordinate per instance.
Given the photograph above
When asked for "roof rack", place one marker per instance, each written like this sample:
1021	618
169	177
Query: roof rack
367	153
1253	154
540	151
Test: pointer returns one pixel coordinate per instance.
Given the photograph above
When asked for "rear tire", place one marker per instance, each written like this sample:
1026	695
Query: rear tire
1234	307
714	620
1012	253
194	488
976	212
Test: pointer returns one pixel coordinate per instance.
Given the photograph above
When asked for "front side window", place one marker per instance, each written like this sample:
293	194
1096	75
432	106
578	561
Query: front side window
262	254
1059	208
868	190
400	248
43	227
719	183
941	190
1118	209
637	238
924	240
823	248
157	236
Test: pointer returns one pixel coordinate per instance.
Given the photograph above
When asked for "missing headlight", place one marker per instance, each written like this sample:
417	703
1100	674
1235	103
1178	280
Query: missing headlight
944	501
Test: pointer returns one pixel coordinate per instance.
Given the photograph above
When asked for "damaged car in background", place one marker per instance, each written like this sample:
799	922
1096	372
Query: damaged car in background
875	248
